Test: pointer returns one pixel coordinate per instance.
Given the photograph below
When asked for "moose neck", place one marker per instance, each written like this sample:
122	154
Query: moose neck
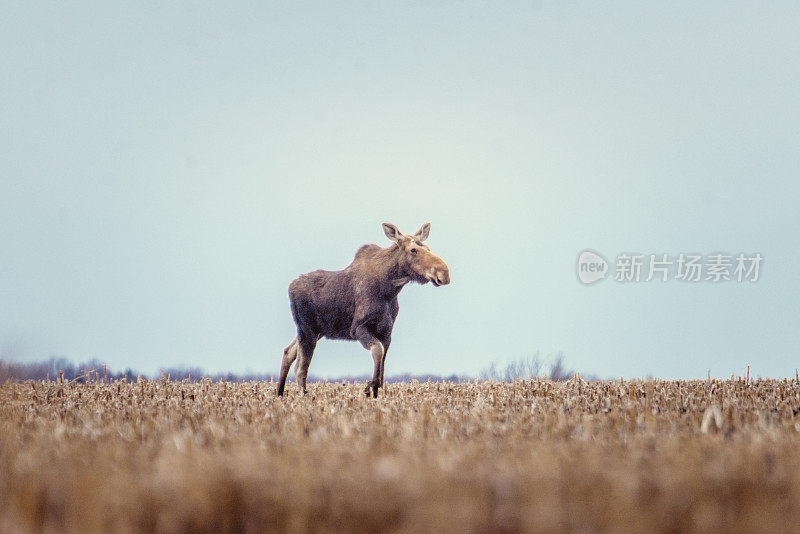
385	266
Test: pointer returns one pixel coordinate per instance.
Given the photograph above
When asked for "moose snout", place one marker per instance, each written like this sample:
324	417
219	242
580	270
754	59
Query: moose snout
440	278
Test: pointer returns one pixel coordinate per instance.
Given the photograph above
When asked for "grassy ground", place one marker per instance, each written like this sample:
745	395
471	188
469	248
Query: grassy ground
538	456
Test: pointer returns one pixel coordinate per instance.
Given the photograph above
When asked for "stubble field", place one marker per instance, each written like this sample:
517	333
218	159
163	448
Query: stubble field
533	455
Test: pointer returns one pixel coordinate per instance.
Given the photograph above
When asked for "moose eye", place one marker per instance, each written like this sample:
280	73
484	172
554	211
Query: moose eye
413	251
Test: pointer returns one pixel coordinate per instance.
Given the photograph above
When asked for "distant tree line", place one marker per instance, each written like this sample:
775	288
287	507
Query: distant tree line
62	368
92	370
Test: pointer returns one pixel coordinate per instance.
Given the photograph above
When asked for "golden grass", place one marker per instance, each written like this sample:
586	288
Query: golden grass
537	456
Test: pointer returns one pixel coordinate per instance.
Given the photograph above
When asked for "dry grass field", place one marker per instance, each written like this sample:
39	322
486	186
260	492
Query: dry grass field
528	456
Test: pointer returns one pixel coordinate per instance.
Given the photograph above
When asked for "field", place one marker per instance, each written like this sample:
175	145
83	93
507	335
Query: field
529	456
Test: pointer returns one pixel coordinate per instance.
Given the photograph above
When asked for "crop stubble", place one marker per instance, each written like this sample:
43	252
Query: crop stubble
532	455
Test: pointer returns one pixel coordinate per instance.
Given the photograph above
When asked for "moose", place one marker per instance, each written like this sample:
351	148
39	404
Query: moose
359	303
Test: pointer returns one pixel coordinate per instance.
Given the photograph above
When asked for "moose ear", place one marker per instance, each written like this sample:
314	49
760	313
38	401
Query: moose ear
392	231
423	233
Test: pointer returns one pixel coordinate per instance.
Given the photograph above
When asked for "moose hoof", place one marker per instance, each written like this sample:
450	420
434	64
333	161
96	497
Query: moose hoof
372	388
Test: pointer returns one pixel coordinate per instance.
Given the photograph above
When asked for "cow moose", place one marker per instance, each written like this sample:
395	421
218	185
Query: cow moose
359	303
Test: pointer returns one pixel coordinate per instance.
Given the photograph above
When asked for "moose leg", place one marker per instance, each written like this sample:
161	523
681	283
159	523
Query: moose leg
372	344
377	351
305	351
289	356
383	360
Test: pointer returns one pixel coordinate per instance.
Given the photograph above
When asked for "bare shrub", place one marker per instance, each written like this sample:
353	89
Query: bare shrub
528	367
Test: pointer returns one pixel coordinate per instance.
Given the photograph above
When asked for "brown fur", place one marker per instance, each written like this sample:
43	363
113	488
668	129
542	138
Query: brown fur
359	302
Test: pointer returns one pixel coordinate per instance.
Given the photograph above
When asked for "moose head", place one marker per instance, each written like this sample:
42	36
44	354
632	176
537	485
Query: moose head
416	262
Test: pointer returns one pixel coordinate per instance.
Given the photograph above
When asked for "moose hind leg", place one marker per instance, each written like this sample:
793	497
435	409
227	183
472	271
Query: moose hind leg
289	356
304	354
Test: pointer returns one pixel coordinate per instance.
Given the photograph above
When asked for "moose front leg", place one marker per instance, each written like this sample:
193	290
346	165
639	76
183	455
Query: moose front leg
376	348
383	360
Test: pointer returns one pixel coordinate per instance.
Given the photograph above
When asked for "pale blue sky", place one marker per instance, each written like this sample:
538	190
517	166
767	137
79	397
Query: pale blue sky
167	169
